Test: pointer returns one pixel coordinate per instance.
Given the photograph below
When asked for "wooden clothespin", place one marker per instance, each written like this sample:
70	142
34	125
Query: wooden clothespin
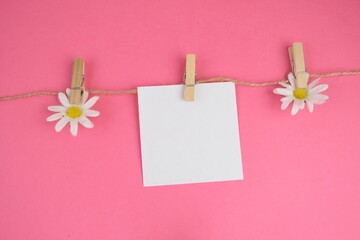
77	82
190	75
296	54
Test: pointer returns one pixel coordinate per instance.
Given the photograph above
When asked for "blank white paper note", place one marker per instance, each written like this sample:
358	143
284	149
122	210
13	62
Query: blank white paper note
189	142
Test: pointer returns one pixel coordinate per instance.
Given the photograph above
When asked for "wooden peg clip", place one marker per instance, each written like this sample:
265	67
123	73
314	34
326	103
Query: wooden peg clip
190	75
297	61
77	82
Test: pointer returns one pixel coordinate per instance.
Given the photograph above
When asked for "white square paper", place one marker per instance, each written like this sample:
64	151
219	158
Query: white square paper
189	142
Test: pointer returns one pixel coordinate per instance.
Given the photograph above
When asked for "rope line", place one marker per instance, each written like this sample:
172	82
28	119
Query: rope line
209	80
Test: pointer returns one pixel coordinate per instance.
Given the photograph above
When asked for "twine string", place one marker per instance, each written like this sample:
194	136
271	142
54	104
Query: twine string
209	80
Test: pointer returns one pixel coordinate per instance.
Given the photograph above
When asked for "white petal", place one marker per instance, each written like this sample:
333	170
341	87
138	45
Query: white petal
316	101
61	124
295	108
301	104
57	109
84	97
63	99
287	86
91	113
319	96
319	89
68	92
283	91
284	105
86	122
73	127
310	106
291	79
91	102
285	102
55	117
313	84
287	98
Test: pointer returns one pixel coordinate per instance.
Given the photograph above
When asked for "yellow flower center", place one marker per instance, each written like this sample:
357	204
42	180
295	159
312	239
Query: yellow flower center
300	93
74	112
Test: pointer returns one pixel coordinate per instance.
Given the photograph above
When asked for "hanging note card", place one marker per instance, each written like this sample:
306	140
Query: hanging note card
189	142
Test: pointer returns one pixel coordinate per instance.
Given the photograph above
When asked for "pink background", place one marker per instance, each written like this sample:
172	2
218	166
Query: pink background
302	173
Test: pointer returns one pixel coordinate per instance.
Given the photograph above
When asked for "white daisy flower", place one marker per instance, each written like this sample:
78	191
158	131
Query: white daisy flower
73	113
310	95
